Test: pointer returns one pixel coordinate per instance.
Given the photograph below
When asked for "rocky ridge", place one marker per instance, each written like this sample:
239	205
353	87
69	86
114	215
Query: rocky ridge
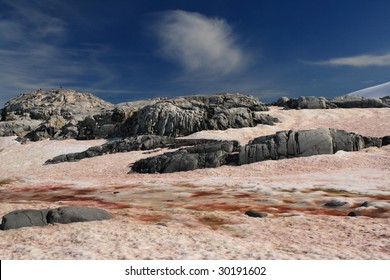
65	114
319	102
142	142
283	144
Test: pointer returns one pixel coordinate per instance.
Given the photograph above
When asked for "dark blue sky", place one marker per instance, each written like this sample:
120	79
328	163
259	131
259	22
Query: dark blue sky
127	50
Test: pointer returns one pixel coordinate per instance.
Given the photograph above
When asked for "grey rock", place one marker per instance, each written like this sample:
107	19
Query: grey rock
366	204
41	105
71	214
256	214
306	102
354	214
142	142
351	101
385	140
345	101
302	143
185	115
335	203
283	144
185	159
24	218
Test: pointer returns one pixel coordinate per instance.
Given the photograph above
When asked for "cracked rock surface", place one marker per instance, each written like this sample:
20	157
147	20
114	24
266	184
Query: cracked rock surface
63	215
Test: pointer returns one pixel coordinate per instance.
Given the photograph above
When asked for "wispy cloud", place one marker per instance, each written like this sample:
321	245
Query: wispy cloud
364	60
199	43
34	52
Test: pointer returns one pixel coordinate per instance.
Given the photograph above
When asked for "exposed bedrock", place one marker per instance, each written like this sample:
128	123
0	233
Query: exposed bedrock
283	144
63	215
319	102
64	114
186	115
142	142
302	143
185	159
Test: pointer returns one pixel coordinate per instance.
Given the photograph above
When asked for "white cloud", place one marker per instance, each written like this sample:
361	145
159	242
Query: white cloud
34	52
199	43
359	61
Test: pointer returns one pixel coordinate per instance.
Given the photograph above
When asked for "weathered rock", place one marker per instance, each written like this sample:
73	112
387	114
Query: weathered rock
335	203
17	128
24	218
255	214
50	112
386	100
142	142
308	102
41	105
72	214
283	144
69	214
186	115
345	101
351	101
354	214
302	143
197	157
366	204
385	140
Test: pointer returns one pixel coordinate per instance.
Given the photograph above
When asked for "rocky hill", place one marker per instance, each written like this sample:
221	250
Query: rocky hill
65	113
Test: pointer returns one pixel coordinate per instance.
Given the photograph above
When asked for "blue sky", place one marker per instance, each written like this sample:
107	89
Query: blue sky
128	50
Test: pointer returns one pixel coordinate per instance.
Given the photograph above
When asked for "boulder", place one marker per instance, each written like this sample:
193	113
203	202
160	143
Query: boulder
24	218
72	214
385	140
69	214
335	203
255	214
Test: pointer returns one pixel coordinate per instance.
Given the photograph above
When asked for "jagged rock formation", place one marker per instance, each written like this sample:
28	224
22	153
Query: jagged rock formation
302	143
63	114
197	157
43	114
346	101
143	142
186	115
284	144
63	215
351	101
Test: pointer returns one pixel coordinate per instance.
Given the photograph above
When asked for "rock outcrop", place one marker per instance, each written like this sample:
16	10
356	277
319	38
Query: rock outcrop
283	144
197	157
142	142
351	101
302	143
64	114
43	114
69	214
186	115
345	101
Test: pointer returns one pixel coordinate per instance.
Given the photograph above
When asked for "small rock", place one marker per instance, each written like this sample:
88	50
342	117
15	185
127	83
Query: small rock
354	214
335	203
255	214
366	204
162	224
